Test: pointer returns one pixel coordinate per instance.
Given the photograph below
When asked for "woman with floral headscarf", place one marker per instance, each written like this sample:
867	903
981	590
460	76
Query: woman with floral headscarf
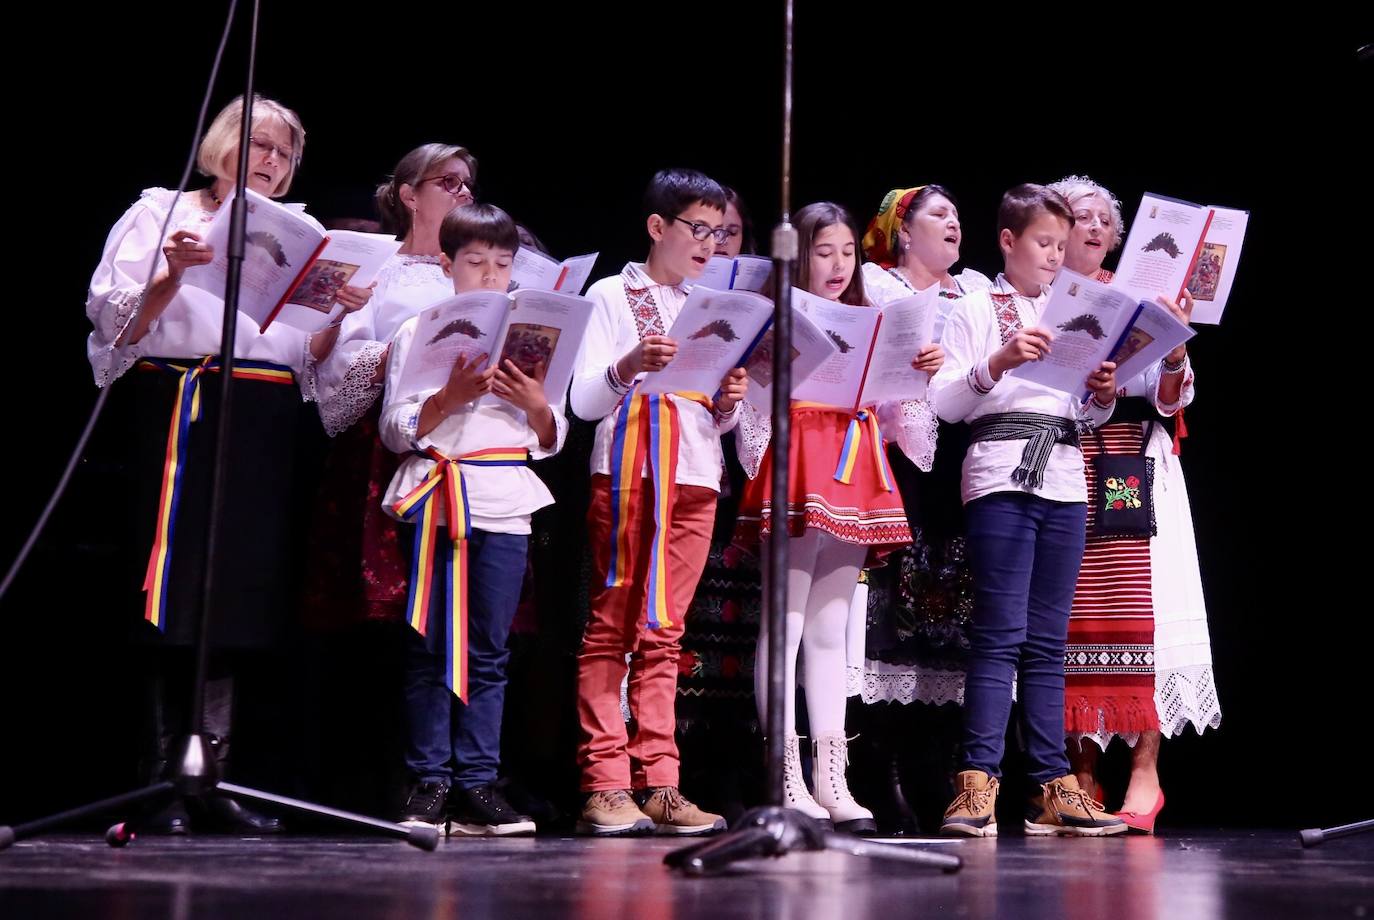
907	629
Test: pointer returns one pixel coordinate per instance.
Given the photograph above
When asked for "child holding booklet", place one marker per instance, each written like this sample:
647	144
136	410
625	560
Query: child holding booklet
1025	507
838	513
655	473
466	484
717	730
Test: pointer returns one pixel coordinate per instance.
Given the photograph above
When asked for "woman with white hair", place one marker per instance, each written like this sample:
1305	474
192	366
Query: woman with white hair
1138	661
163	342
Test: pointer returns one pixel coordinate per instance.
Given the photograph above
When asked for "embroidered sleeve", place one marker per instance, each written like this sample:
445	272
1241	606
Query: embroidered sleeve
752	435
356	393
1155	377
133	251
914	427
963	380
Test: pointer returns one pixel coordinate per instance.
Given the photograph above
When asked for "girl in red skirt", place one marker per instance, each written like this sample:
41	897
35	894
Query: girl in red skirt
835	526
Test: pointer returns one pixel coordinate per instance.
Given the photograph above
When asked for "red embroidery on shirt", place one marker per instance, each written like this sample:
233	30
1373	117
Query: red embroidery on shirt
1008	317
645	311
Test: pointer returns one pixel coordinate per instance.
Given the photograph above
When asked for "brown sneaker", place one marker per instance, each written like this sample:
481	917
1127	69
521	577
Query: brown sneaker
673	814
613	811
973	811
1064	809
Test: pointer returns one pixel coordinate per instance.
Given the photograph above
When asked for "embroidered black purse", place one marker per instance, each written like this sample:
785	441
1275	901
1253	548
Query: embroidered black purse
1124	494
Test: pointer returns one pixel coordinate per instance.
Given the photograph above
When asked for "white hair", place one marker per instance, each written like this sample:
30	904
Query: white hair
1075	188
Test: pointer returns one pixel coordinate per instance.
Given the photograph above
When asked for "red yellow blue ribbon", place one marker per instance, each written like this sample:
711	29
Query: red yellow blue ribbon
849	453
646	428
444	489
185	411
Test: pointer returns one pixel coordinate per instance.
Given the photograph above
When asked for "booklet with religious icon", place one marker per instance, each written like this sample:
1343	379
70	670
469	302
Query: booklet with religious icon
1162	247
1092	322
531	328
292	268
1210	282
811	348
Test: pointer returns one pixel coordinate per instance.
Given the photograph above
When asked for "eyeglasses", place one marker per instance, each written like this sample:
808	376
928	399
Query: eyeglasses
263	145
701	232
453	183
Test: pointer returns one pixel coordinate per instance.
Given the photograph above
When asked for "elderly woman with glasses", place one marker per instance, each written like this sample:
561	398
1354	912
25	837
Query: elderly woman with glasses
161	339
167	319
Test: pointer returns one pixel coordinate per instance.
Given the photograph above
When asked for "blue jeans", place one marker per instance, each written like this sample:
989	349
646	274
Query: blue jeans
1024	554
447	740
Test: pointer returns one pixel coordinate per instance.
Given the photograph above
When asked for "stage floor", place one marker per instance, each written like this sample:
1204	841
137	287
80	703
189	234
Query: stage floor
1194	875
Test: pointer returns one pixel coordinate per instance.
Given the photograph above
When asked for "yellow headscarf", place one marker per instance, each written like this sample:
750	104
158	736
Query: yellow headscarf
880	241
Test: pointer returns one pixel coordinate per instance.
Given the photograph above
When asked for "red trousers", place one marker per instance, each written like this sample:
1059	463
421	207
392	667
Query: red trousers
609	757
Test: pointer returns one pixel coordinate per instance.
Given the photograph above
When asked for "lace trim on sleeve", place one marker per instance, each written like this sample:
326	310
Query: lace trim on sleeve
356	393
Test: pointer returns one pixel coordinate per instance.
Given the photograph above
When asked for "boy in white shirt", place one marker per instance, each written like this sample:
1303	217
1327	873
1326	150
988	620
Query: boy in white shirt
1025	504
656	468
465	454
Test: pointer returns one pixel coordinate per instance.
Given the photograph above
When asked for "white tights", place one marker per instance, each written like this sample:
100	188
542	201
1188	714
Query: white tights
822	573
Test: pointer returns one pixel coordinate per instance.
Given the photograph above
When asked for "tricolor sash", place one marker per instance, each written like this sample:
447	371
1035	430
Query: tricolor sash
445	489
185	411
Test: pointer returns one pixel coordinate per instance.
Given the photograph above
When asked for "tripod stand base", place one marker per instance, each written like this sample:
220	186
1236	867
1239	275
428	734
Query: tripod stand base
195	776
1317	835
775	832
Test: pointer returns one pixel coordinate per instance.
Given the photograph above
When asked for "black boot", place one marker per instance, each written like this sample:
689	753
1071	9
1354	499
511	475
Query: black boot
873	765
172	818
226	814
234	818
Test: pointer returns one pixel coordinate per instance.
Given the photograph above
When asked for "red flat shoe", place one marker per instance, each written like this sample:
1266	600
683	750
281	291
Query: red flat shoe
1143	823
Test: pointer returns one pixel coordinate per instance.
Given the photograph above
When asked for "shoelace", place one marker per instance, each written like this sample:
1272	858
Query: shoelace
672	801
792	765
1081	798
839	783
428	799
975	800
493	800
615	798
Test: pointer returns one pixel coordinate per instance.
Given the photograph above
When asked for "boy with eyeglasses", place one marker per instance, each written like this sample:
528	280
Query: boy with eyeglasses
656	468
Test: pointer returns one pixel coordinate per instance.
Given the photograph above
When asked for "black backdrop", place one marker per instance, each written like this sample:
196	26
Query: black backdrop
570	112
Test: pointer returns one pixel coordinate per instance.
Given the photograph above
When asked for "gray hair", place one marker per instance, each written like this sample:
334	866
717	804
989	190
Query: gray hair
1075	188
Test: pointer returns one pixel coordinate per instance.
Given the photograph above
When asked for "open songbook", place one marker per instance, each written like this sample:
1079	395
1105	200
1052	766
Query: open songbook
292	267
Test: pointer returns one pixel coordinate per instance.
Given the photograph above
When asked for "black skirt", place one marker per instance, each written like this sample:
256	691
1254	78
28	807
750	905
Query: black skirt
260	540
920	603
